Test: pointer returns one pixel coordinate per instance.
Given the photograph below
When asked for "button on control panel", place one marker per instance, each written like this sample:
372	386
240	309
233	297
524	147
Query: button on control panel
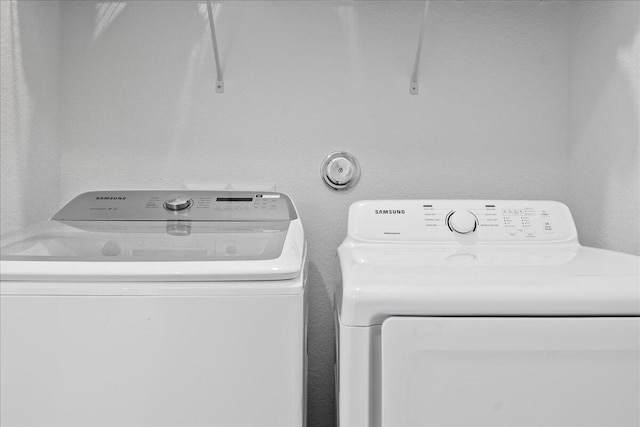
520	221
546	221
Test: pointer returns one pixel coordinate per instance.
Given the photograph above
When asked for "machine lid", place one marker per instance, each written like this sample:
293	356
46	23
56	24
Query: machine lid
154	251
424	268
102	246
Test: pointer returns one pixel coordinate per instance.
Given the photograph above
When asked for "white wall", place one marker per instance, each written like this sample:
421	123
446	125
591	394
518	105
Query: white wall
303	79
604	125
29	81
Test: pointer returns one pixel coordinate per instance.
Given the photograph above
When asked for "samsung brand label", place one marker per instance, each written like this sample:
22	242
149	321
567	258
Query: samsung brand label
111	198
389	212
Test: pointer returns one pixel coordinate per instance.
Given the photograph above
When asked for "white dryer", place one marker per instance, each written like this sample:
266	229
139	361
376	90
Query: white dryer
466	313
150	308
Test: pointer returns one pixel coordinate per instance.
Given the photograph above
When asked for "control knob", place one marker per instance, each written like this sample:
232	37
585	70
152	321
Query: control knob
178	202
462	222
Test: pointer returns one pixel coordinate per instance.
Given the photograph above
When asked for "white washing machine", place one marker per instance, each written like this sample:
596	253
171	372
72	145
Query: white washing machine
150	308
466	313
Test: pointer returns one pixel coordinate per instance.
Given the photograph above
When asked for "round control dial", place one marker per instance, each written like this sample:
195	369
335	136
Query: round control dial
178	203
462	222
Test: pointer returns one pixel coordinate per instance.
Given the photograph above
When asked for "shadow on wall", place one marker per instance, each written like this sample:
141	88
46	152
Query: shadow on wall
321	331
30	81
604	128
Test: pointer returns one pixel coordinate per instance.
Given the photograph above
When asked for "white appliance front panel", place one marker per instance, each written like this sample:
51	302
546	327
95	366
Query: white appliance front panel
511	372
498	221
134	361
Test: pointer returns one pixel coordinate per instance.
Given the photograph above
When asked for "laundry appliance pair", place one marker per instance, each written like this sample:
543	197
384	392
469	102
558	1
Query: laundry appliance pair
153	308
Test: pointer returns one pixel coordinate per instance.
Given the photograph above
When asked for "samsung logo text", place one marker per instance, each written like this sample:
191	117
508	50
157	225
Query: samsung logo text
389	212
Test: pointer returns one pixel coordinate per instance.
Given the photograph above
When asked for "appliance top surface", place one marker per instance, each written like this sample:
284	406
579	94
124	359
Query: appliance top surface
136	235
514	258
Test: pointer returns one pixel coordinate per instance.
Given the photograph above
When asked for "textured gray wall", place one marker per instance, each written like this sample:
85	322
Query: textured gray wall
29	103
604	124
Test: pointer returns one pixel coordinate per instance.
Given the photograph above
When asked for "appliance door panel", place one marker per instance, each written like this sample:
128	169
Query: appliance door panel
507	371
109	361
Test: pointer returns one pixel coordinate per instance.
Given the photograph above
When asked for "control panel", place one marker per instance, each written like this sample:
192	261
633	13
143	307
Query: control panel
157	205
465	221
